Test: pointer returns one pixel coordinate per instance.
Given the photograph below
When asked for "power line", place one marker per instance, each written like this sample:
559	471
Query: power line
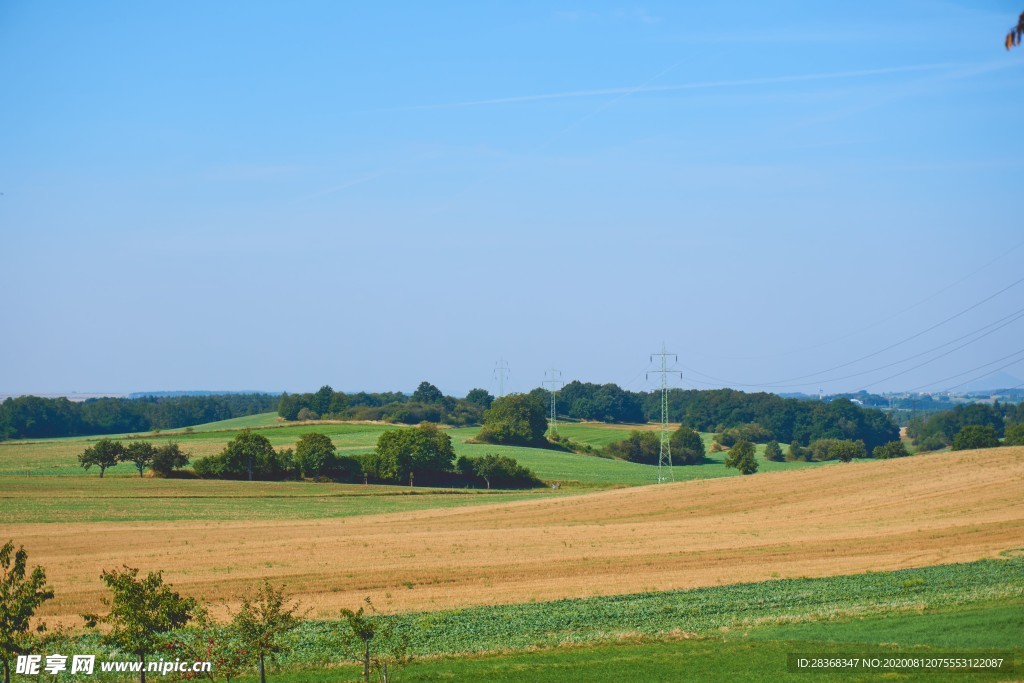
553	379
501	373
896	314
786	382
965	372
665	449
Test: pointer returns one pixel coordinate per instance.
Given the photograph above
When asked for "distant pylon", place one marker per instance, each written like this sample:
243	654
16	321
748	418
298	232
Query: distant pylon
501	374
553	381
665	450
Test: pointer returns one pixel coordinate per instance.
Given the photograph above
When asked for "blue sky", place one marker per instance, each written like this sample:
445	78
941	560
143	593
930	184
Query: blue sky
244	195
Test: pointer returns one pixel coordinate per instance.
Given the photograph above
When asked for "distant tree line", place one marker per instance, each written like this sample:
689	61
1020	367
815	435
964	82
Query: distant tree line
715	410
426	404
939	430
32	417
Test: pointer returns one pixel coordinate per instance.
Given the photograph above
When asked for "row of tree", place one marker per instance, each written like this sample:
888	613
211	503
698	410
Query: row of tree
32	417
426	404
162	460
146	618
783	419
423	454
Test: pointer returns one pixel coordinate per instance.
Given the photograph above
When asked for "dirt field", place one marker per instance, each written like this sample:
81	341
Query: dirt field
843	519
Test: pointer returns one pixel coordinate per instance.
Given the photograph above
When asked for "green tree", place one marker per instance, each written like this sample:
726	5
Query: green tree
1015	435
687	447
837	449
313	452
104	453
975	436
140	454
168	458
480	397
796	452
262	622
772	451
142	613
741	456
249	452
427	393
21	592
364	626
498	469
893	449
515	419
422	451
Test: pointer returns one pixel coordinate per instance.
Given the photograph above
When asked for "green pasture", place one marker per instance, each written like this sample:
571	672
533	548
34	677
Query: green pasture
59	456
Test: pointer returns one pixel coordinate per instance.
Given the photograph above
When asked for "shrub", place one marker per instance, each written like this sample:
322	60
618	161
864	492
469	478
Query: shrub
687	447
773	452
498	470
1015	435
975	436
893	449
642	447
837	449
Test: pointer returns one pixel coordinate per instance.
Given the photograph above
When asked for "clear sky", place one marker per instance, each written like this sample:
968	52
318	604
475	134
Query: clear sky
275	196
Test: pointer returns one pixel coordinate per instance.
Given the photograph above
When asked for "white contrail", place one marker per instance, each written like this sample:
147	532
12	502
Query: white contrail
835	75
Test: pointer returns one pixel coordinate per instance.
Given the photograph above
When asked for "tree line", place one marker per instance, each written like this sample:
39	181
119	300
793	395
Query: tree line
939	430
32	417
426	404
146	618
713	410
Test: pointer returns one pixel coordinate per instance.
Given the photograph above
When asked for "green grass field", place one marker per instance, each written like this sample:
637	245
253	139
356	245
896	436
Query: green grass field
58	456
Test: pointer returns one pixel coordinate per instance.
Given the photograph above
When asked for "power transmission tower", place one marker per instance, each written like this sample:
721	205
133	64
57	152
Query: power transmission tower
501	374
665	451
553	382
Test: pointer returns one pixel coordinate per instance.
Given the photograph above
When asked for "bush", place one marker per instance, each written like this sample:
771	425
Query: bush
796	453
642	447
773	452
168	458
893	449
306	414
499	470
975	436
687	447
752	432
837	449
935	442
515	419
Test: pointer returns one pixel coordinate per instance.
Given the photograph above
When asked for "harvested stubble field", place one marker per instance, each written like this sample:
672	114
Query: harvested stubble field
815	522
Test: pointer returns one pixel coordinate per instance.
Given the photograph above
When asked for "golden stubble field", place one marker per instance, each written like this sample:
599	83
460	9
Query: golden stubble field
837	520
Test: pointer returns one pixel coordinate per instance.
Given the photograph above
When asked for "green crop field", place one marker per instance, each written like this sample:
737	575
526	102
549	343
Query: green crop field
740	632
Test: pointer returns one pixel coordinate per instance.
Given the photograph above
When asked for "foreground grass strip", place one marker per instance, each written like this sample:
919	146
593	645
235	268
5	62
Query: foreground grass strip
595	620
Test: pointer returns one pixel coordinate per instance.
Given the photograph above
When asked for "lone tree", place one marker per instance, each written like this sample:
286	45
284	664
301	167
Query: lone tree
104	453
168	458
687	447
313	452
140	454
248	451
515	419
262	622
975	436
741	456
21	592
427	393
421	451
142	613
363	627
